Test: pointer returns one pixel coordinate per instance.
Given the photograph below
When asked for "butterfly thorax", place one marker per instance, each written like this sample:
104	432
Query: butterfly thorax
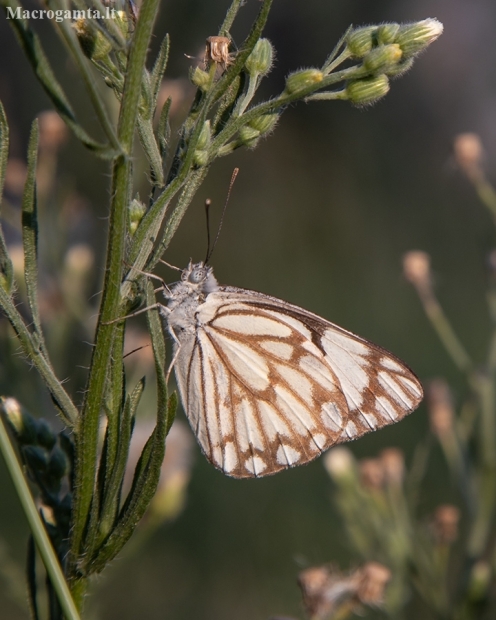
197	281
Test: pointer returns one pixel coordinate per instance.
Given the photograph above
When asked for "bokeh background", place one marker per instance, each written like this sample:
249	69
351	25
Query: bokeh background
320	215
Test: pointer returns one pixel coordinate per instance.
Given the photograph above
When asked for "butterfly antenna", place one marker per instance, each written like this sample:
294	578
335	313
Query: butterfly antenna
210	251
208	202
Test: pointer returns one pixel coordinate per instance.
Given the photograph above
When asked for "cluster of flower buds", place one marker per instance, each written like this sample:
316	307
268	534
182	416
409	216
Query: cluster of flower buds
327	592
47	456
386	51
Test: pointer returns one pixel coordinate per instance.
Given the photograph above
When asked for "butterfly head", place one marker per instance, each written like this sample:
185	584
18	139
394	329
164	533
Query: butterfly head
200	276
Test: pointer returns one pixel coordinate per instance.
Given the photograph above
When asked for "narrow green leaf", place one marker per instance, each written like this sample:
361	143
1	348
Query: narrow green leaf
30	236
159	69
164	130
147	471
31	579
6	268
34	52
150	146
112	495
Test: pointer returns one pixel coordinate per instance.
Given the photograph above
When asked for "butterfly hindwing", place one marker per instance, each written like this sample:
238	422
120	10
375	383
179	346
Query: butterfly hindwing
267	385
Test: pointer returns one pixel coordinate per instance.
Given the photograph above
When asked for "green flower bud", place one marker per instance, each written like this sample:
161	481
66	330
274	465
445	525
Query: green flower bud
201	156
367	90
301	80
136	212
205	137
265	123
259	62
382	57
249	136
123	22
400	68
200	78
21	422
413	38
386	34
361	40
93	43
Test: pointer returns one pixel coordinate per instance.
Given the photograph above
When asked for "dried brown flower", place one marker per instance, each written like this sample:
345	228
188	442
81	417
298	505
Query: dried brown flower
417	269
393	465
373	578
371	473
217	51
469	154
440	407
445	524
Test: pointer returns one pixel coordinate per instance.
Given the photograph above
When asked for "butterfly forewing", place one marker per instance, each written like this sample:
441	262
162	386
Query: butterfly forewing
267	385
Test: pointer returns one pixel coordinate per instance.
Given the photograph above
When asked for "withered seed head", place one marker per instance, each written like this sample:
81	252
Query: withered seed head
217	51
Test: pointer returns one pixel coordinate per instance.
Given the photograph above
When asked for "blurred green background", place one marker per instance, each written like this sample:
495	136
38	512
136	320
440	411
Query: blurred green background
320	215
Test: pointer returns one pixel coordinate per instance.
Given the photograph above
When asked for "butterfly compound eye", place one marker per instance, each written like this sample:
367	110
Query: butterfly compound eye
197	275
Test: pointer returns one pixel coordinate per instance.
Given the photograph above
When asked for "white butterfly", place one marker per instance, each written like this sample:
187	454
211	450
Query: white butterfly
267	385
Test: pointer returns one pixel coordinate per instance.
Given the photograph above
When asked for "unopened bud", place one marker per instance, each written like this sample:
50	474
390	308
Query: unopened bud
382	58
413	38
136	212
324	589
368	90
53	130
373	580
205	136
93	43
264	124
36	458
393	466
125	24
445	524
340	464
399	68
417	269
386	33
201	155
301	80
249	136
469	154
57	465
200	78
21	422
440	408
255	129
361	40
371	473
45	435
259	62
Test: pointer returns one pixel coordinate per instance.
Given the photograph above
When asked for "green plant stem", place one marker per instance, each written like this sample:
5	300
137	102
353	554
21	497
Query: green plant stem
37	527
86	461
445	332
230	17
